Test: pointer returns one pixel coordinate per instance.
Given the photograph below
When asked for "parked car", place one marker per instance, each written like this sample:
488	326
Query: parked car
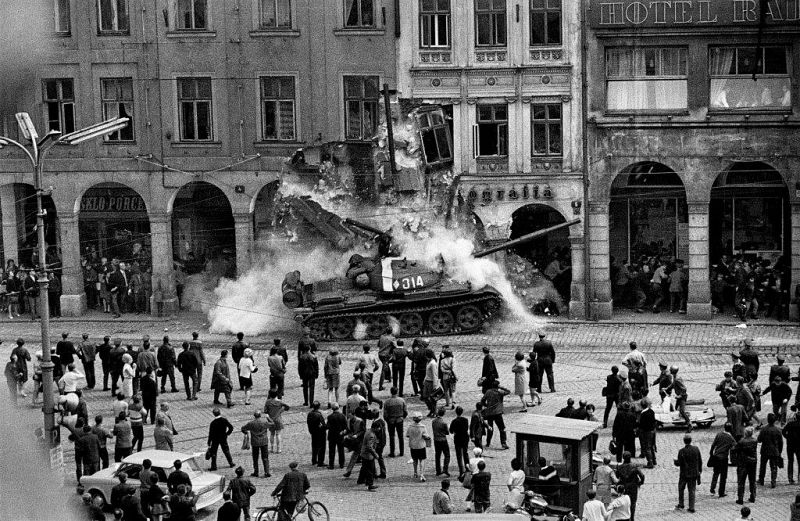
207	486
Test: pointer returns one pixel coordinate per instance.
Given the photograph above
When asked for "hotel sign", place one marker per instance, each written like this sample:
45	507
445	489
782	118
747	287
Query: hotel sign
606	14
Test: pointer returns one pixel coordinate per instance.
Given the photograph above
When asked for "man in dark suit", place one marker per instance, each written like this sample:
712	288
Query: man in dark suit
337	426
117	288
229	511
218	432
292	488
489	371
31	289
647	432
611	392
188	365
546	356
771	441
316	428
691	466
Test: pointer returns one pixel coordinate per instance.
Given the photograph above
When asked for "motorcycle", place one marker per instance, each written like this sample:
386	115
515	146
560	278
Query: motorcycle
534	506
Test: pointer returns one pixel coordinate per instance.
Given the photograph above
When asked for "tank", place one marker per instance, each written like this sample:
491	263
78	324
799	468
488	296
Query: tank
422	300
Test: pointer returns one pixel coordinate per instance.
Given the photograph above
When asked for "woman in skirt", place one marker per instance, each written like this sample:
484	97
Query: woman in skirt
519	369
246	369
418	440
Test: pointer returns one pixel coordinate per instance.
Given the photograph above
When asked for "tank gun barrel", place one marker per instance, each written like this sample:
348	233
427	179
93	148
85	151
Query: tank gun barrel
525	238
365	227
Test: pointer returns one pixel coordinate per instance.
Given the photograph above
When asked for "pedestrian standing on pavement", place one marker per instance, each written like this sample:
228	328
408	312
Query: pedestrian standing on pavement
66	351
593	508
791	431
635	356
478	426
103	435
104	353
13	376
631	477
258	430
440	445
315	422
620	507
336	425
395	411
218	432
196	348
611	392
228	511
368	363
750	358
149	389
163	436
604	480
746	456
431	383
718	455
489	372
87	354
306	341
120	405
623	430
459	428
418	441
242	490
117	364
519	369
493	413
238	349
221	379
419	362
136	414
779	370
737	417
647	432
178	478
332	369
123	434
771	442
274	408
691	467
546	355
146	359
399	355
481	488
188	366
165	415
534	382
386	345
246	367
277	371
166	362
366	475
447	369
308	370
780	393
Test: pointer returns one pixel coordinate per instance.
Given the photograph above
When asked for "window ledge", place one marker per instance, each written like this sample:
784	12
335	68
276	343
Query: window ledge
275	33
355	31
120	142
188	33
196	144
114	33
276	143
640	113
61	34
742	111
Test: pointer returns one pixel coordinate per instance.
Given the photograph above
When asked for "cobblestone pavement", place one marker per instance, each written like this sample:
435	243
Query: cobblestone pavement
584	353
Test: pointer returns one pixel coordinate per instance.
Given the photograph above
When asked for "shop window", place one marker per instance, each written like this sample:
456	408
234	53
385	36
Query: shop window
491	131
545	22
434	23
750	78
646	78
191	15
117	99
275	14
112	17
194	109
63	24
59	104
546	129
278	108
437	144
490	23
359	13
361	98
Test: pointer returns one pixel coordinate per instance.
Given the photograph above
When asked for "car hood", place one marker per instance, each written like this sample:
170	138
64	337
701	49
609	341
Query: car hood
105	476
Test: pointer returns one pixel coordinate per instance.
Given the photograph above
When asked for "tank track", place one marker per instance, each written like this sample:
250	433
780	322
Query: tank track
396	311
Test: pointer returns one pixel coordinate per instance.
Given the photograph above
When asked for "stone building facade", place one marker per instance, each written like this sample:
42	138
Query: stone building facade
220	94
509	75
692	137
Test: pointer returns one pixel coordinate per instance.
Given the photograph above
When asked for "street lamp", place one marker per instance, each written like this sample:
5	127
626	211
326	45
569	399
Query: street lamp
36	155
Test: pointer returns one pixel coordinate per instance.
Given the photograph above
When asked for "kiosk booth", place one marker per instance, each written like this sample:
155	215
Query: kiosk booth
566	445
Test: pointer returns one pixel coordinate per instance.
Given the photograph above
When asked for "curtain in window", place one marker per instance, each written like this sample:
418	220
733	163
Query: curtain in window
721	61
647	94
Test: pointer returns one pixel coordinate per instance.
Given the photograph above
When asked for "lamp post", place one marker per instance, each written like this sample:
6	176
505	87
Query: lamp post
36	155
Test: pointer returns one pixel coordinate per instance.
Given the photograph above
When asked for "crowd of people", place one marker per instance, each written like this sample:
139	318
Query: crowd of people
750	288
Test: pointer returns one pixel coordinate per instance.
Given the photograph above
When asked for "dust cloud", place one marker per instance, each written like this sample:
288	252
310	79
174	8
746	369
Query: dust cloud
23	41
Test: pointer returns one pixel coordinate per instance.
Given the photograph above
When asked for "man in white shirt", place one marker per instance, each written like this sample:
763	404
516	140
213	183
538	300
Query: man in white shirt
620	507
594	509
72	380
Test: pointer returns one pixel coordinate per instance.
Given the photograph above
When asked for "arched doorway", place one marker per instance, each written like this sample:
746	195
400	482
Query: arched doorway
113	223
648	219
203	234
23	212
548	283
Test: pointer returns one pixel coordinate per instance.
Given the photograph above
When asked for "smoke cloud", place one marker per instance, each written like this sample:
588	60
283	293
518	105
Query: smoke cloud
23	41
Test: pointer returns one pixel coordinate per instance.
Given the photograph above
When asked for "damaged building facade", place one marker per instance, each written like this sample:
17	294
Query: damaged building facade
692	138
219	95
507	76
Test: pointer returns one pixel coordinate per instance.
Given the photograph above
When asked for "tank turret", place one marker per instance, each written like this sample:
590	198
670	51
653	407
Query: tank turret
421	299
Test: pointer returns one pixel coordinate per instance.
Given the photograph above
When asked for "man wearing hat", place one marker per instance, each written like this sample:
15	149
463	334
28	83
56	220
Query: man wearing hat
664	379
489	371
546	356
292	488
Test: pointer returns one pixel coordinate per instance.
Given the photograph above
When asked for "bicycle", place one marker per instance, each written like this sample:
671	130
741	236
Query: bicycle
316	511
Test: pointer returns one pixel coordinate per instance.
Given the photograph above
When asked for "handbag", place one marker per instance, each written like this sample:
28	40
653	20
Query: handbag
481	381
467	481
604	391
246	441
711	460
779	463
208	453
612	447
428	442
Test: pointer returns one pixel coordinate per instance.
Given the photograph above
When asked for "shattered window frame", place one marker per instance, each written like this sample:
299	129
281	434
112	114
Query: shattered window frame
195	106
279	98
545	22
58	97
433	16
547	130
491	25
116	96
437	142
496	124
359	14
361	102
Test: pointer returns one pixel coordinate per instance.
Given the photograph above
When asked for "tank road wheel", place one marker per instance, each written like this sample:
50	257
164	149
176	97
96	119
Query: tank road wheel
411	324
441	321
317	328
376	325
341	328
469	318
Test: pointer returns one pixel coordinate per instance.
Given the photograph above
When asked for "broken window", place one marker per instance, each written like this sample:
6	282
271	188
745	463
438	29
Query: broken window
434	23
361	97
491	131
546	129
59	104
117	99
359	13
436	139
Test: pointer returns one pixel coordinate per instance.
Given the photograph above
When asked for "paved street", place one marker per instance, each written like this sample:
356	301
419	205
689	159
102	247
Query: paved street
585	353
